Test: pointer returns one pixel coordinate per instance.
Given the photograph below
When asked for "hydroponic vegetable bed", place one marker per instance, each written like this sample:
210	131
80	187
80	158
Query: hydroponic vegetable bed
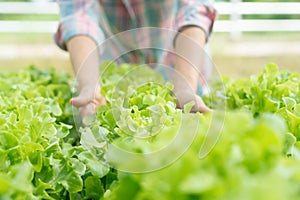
253	154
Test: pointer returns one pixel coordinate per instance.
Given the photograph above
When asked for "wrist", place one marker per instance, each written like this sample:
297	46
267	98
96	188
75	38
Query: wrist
89	87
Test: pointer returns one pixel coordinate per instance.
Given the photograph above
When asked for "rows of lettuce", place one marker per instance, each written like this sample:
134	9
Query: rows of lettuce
40	152
240	151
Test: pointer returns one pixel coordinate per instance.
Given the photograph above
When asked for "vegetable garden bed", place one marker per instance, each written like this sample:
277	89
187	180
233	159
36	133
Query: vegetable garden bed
45	155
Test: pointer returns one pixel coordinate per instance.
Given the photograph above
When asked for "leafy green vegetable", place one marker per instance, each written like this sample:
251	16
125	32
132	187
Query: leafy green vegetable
256	154
246	163
269	91
39	152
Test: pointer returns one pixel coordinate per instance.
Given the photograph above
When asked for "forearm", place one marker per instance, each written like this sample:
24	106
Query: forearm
85	61
189	46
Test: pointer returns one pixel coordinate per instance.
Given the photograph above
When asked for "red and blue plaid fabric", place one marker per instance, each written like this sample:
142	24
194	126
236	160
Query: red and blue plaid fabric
100	19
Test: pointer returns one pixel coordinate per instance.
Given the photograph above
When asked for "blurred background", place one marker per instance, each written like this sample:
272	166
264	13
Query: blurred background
247	35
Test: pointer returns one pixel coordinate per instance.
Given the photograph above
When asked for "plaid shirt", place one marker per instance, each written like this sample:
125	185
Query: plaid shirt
100	19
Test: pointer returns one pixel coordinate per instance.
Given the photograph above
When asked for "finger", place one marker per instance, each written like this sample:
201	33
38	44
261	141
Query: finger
91	107
99	101
184	98
86	111
79	101
204	109
201	107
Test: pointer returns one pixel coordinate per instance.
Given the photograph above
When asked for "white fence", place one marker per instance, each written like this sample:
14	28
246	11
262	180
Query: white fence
236	9
235	24
25	26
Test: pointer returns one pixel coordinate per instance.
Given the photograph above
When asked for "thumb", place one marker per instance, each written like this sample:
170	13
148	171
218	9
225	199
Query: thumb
79	101
204	109
201	107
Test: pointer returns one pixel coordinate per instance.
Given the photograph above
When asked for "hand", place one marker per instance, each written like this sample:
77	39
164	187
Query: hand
88	100
184	97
